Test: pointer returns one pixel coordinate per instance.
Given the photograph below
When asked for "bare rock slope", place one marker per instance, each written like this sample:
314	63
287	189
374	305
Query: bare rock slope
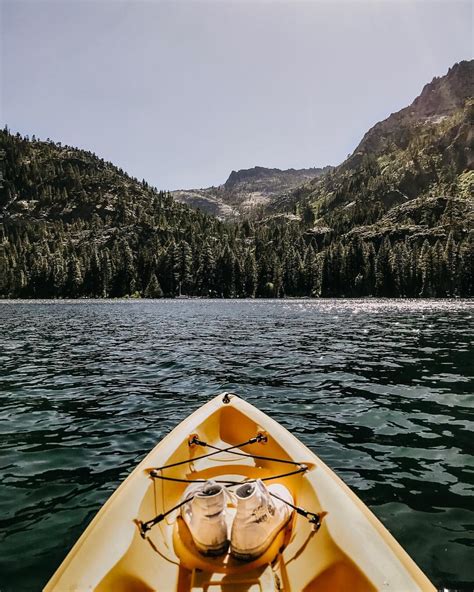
247	191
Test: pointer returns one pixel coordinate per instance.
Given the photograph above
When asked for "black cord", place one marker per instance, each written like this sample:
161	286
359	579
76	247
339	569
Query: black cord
155	475
302	468
259	457
258	438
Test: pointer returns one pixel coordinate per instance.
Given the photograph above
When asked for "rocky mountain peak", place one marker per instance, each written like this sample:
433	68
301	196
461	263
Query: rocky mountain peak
444	94
439	98
263	174
248	175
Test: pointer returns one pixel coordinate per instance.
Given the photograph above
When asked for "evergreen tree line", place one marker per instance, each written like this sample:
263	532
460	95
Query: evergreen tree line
271	262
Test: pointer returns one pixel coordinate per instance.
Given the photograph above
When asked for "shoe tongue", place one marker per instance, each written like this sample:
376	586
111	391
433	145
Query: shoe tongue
210	489
245	490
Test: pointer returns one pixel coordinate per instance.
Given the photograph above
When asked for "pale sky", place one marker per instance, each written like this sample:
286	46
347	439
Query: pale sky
181	92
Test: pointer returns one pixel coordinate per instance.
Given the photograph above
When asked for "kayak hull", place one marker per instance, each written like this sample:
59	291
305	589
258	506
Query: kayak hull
351	550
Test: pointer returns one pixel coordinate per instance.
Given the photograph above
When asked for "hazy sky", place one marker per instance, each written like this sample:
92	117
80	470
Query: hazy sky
181	92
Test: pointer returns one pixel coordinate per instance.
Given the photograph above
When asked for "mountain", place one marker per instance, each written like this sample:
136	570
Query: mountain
74	225
439	100
421	151
248	191
395	219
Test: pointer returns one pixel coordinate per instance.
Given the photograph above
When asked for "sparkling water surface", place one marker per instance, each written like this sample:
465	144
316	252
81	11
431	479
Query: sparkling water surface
381	390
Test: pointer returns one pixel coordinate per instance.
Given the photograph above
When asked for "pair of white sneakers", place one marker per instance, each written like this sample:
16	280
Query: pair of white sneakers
258	519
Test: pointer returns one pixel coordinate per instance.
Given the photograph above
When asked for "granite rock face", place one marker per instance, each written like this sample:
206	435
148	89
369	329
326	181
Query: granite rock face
423	151
438	100
248	192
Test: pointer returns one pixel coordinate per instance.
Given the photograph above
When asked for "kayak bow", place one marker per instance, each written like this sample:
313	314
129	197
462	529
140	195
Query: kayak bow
138	542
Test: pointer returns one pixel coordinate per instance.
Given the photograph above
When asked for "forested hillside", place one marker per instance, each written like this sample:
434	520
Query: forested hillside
394	220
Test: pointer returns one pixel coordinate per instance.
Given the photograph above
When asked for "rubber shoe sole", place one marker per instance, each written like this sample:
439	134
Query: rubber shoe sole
256	552
212	551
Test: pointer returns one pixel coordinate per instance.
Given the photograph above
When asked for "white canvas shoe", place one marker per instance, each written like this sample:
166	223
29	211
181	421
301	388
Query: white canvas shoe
259	518
204	515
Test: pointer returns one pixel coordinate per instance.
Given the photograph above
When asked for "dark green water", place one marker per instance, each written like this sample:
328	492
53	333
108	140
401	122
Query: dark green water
381	390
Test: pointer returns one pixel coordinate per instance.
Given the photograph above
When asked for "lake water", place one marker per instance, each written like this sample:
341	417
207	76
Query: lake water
381	390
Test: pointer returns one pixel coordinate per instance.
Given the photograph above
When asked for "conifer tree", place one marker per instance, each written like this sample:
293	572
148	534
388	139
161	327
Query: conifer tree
426	268
153	289
250	275
105	283
451	259
383	277
74	278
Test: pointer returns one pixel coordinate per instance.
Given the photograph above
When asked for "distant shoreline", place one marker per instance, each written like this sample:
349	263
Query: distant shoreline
259	299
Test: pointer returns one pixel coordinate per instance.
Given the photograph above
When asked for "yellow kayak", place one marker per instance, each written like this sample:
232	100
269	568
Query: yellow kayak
138	540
